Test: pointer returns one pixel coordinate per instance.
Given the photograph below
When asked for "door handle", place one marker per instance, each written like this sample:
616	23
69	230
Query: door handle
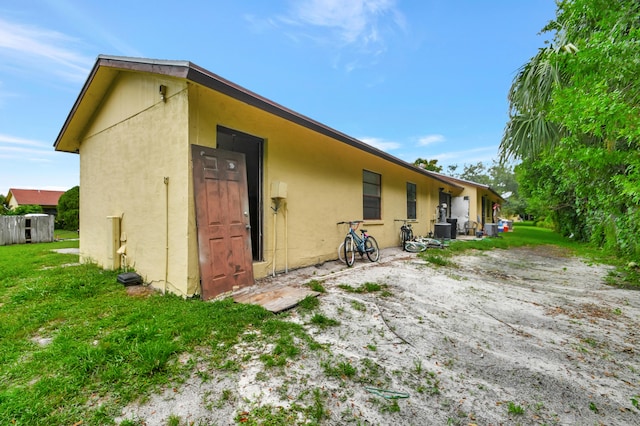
248	226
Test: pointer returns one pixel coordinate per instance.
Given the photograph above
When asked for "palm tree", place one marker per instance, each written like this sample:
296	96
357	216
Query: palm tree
528	131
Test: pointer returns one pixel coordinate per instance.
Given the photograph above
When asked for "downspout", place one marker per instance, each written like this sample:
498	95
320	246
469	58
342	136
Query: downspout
166	234
275	235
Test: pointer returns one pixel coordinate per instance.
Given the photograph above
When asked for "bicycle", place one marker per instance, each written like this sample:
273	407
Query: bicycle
363	244
406	236
430	242
416	244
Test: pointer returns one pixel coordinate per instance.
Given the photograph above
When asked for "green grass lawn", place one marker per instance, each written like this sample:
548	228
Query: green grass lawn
74	347
61	234
527	234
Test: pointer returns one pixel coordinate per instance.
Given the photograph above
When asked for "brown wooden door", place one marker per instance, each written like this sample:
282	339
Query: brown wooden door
222	215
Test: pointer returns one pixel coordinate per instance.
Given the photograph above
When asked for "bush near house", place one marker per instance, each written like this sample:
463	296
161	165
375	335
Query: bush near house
69	210
24	209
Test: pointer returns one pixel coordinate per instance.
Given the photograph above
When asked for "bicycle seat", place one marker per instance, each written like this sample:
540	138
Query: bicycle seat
363	230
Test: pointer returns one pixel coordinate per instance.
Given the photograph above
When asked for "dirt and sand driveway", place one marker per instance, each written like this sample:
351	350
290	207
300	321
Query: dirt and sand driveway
519	336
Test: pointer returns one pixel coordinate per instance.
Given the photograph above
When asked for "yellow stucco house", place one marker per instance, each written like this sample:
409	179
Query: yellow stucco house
185	175
472	205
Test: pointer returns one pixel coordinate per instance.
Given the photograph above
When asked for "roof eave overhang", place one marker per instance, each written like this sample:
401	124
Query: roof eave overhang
107	67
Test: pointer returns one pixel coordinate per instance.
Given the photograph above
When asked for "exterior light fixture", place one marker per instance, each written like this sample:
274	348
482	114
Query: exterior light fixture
163	92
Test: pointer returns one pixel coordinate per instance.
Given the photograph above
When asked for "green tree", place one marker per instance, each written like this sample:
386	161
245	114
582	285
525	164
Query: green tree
431	165
69	210
477	173
575	124
529	130
24	209
3	204
501	177
452	170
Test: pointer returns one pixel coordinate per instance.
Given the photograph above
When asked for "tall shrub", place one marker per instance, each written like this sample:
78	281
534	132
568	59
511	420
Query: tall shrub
69	210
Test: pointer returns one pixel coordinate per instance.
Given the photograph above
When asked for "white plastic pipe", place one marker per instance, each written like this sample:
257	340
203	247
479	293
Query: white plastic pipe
275	236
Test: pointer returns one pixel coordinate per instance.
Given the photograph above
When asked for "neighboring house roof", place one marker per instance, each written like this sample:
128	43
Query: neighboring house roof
38	197
463	182
107	68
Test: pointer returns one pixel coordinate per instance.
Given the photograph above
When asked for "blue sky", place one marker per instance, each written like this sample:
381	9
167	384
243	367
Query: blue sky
415	78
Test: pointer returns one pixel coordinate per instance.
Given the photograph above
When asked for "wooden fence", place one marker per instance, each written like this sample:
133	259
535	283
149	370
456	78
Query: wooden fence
26	229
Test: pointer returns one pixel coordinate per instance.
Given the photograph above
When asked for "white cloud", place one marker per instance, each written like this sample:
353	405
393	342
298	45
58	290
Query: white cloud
28	46
471	156
430	139
381	144
19	141
12	147
360	25
355	21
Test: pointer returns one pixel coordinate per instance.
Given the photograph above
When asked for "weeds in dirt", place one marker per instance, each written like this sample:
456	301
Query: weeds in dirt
367	287
229	365
371	372
624	277
513	408
437	259
309	303
285	349
308	408
391	407
323	321
591	342
341	370
358	306
417	365
132	422
317	410
267	415
431	386
315	285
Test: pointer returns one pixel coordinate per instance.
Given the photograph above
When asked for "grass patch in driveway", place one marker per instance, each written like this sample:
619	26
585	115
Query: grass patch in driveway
367	287
74	347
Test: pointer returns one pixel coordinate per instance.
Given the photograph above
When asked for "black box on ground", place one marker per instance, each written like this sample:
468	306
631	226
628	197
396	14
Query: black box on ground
129	278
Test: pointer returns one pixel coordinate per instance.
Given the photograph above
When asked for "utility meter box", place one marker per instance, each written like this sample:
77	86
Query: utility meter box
278	189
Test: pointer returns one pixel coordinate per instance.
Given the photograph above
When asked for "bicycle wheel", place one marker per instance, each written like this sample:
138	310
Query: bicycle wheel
371	247
349	250
414	246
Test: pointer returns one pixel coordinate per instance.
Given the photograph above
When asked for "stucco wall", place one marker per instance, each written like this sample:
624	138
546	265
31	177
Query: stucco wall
13	203
324	180
134	142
